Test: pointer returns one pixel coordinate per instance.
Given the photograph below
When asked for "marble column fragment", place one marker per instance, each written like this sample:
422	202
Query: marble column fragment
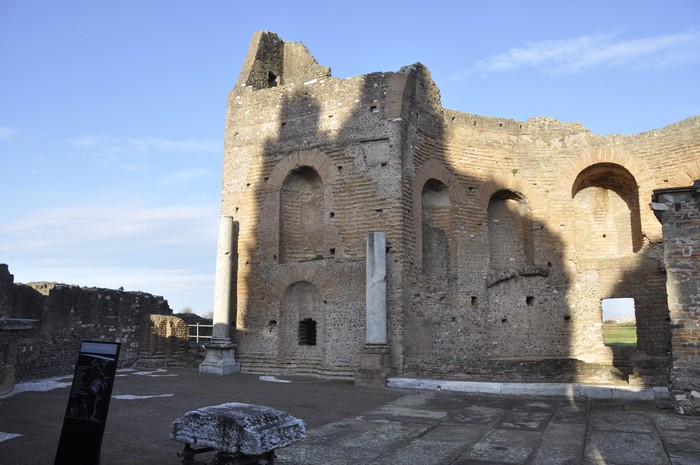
220	352
375	332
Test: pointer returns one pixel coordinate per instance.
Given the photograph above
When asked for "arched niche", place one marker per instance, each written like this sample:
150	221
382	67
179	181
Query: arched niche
606	212
436	226
301	216
510	230
301	321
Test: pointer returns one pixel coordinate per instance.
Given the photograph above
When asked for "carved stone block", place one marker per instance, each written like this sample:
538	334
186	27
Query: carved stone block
237	428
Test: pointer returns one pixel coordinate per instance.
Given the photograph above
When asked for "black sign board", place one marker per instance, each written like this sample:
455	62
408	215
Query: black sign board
86	414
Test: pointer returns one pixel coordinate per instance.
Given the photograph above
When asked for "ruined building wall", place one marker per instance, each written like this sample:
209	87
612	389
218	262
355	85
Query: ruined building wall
678	210
503	237
66	315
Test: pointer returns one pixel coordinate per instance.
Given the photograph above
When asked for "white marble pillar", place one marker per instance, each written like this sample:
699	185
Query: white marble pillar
375	293
220	352
222	281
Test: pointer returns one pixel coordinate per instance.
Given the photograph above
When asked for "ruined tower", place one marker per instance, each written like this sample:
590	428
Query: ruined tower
502	237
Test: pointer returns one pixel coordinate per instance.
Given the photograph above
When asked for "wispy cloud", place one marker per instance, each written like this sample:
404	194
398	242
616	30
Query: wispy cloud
7	133
586	53
118	145
99	225
127	152
157	249
183	176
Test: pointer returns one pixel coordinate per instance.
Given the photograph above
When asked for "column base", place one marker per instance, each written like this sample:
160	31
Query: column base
374	365
219	359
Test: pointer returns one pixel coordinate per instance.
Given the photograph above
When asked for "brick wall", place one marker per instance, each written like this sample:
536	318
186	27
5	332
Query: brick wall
679	212
462	294
66	315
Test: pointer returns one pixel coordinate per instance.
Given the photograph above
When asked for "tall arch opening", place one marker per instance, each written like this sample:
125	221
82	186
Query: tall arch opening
301	216
436	224
510	231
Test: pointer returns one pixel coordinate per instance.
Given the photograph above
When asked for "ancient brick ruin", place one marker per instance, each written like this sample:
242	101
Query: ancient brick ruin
42	325
678	209
502	237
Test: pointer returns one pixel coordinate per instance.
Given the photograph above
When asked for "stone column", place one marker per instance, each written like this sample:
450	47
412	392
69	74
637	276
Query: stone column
220	352
375	294
374	363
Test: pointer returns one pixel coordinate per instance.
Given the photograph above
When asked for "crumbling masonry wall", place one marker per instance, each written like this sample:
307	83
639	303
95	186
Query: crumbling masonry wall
503	237
678	210
65	315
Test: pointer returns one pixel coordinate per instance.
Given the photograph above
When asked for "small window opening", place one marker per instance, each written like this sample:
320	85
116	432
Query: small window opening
619	322
504	320
529	300
332	214
475	300
332	251
307	332
271	80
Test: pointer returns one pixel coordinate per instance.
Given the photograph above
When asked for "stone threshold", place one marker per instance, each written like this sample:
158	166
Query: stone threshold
568	390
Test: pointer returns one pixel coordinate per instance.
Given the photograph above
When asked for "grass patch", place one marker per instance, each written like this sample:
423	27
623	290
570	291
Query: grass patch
620	334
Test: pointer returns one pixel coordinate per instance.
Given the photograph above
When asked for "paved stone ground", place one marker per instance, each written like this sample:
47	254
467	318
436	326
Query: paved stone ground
364	425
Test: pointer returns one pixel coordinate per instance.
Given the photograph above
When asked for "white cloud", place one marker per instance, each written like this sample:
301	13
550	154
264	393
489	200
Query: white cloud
585	53
7	133
127	153
164	250
118	145
183	176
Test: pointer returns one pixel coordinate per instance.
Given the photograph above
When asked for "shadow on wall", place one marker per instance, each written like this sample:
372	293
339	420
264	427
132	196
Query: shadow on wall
645	282
477	283
626	265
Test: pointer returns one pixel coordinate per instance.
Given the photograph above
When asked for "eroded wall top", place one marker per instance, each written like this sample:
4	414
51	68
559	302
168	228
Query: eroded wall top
271	62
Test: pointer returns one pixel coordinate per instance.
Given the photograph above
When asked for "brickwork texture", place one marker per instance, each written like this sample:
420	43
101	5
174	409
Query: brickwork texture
503	237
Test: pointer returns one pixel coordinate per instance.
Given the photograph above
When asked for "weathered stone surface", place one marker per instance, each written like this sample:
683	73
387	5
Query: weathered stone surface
66	314
681	239
238	428
502	237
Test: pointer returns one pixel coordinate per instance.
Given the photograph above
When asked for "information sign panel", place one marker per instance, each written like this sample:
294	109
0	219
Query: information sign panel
88	403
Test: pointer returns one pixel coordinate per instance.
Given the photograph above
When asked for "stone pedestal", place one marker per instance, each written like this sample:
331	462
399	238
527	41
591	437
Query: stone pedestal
375	365
219	359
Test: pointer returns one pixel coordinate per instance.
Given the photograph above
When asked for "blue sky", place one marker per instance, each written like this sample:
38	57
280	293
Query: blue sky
112	113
